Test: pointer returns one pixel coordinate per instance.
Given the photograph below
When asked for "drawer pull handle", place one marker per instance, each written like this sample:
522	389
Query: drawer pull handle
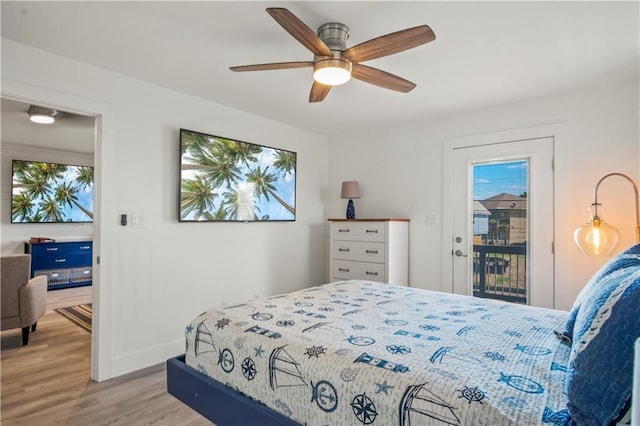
52	248
85	247
343	270
343	230
343	249
60	260
372	231
371	251
371	273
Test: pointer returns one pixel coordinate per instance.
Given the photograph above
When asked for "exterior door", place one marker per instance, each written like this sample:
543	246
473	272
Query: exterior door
502	221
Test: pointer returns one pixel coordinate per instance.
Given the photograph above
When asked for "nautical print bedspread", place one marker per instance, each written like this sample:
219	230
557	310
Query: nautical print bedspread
360	352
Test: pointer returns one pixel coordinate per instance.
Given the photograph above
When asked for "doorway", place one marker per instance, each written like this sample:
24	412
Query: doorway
75	140
501	228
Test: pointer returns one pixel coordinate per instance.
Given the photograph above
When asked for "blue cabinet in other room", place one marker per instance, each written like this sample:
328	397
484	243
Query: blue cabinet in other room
66	264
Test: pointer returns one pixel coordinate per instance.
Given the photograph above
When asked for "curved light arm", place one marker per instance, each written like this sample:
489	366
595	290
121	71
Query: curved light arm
635	190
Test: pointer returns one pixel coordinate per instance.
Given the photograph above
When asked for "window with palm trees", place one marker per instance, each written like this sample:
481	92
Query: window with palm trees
224	179
50	192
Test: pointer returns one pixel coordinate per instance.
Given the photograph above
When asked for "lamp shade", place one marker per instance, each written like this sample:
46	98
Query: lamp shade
350	189
596	238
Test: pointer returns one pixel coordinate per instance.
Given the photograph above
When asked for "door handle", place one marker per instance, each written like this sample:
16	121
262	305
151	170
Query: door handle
459	253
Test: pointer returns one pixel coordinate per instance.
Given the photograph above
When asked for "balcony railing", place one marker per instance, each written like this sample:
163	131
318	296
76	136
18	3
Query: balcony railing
499	272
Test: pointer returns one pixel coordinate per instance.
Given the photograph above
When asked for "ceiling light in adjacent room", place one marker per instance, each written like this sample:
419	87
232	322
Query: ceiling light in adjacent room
42	115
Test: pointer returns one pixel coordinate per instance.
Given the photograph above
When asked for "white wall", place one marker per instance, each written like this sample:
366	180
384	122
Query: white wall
153	280
400	174
13	235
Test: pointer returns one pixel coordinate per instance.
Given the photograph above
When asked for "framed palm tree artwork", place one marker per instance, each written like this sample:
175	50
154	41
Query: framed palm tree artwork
51	193
224	179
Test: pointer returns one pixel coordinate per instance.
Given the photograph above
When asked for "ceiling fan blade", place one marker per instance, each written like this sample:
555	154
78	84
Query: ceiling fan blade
381	78
299	30
273	66
318	92
389	44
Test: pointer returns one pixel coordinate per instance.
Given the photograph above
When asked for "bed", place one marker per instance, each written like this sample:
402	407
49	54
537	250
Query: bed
361	352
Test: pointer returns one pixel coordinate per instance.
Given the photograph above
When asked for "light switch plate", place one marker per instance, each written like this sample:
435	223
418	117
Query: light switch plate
137	221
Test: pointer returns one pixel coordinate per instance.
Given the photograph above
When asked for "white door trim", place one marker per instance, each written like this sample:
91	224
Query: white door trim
556	131
539	260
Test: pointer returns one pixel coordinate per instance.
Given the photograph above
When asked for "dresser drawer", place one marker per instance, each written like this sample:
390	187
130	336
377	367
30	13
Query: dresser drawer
61	255
54	276
359	251
350	270
75	247
358	231
60	260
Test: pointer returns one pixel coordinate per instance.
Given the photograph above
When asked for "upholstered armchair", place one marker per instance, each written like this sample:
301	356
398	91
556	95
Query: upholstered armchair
24	300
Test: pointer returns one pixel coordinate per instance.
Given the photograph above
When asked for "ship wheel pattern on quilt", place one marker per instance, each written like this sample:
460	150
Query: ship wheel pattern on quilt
472	394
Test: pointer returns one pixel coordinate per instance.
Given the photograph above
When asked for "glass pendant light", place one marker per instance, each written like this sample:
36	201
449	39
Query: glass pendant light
596	238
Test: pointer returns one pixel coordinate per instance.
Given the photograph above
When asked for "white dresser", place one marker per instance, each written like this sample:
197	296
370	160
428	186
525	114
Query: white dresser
369	249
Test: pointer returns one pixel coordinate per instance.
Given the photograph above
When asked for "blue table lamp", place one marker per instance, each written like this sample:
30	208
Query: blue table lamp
350	190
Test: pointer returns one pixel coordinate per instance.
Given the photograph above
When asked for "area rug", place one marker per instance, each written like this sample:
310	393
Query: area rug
80	315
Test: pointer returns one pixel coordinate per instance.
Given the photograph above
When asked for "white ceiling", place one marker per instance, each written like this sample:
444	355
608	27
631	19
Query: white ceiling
485	53
70	132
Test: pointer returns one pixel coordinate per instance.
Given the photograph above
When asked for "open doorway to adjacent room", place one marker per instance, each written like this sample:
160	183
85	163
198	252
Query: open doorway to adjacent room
63	338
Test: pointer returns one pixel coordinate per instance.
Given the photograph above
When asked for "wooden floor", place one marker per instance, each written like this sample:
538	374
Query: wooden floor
47	382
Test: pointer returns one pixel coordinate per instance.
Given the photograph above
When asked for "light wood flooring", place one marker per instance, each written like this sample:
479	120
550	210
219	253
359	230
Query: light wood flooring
47	382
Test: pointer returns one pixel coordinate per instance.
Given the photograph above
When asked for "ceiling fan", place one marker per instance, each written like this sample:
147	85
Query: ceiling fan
334	64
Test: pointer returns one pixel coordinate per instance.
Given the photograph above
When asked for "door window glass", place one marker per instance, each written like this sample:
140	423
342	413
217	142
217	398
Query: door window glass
500	227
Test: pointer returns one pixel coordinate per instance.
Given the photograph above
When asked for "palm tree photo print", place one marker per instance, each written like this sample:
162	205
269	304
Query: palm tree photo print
50	192
223	179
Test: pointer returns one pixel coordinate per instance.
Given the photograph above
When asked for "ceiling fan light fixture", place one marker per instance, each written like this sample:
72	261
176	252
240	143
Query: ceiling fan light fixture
332	72
41	115
333	61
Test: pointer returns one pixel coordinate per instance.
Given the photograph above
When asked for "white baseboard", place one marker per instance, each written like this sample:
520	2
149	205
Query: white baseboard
147	357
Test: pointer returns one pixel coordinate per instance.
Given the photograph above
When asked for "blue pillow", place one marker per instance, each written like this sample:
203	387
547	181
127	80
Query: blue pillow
566	335
606	325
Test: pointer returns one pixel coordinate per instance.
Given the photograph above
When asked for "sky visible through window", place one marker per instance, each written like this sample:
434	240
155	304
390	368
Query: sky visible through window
491	179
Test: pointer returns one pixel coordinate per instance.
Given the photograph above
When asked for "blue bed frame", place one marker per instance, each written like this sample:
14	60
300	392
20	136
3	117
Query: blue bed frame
215	401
